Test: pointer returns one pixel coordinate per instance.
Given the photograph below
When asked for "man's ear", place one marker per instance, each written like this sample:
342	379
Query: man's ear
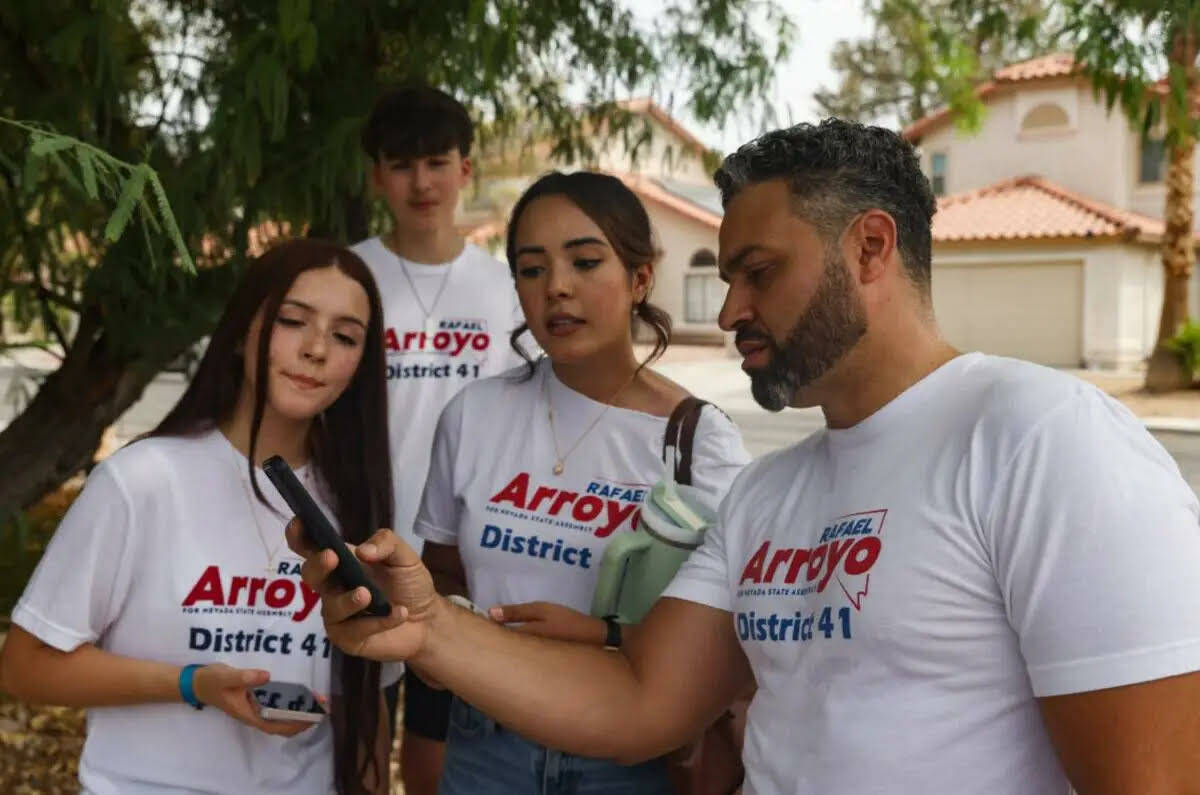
468	169
874	242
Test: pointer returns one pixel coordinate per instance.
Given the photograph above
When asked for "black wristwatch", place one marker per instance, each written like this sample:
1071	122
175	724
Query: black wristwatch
612	637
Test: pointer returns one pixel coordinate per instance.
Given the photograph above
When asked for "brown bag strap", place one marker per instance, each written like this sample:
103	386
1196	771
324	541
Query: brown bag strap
681	432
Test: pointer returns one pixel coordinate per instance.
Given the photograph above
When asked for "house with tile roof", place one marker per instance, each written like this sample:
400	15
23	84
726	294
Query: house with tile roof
1049	221
670	174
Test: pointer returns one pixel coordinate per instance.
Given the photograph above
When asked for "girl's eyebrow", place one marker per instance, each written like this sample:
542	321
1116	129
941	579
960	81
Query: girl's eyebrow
309	308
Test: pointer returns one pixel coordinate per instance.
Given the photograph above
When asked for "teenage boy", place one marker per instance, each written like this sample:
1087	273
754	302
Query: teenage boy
448	310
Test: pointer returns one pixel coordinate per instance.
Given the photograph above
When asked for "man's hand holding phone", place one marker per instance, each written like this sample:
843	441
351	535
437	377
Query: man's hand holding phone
404	581
321	535
231	689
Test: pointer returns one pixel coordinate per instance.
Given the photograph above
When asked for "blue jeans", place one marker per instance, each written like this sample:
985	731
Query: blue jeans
484	758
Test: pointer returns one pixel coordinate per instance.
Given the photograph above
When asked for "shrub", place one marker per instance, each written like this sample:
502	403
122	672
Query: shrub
1187	345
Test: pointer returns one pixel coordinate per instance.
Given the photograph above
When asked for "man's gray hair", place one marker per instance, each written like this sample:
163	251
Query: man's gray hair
836	170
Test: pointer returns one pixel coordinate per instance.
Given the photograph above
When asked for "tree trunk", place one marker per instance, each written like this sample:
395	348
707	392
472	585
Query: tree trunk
57	434
1166	371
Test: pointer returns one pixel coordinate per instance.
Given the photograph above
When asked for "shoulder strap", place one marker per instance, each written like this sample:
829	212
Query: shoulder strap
681	433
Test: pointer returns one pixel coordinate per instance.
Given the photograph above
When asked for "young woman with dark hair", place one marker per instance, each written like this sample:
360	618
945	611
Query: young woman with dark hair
168	595
535	471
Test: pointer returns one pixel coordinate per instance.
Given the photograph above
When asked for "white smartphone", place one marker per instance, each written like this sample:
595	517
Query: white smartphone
289	701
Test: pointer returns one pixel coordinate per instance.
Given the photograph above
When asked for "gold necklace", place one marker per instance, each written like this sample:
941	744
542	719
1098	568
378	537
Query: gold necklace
560	457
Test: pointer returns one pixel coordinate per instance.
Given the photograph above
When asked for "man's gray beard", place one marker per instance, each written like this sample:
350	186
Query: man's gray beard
832	324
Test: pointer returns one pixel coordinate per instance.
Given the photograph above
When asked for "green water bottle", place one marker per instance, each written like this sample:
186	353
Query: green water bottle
637	567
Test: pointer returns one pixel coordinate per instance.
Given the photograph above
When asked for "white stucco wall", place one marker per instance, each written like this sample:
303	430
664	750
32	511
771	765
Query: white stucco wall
1099	157
1124	287
1195	300
662	156
1140	294
1122	292
678	237
1092	158
1149	198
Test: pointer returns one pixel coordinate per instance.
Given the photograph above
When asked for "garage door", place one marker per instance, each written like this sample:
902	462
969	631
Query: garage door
1032	312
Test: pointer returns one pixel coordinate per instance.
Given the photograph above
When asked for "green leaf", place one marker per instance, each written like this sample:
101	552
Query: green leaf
1027	28
269	83
476	13
64	170
32	173
142	216
279	104
168	218
292	14
306	47
88	168
49	143
148	214
131	193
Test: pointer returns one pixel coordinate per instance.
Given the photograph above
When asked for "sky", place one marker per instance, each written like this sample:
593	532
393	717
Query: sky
819	25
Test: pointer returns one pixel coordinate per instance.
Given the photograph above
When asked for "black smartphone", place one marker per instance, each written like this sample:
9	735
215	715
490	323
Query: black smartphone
349	572
289	701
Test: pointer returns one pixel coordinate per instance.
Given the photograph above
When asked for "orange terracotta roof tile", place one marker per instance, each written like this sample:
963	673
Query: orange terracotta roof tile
1059	64
1034	208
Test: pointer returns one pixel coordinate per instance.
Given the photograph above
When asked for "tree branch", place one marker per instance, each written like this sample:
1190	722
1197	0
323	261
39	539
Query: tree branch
835	104
48	317
175	75
189	56
60	299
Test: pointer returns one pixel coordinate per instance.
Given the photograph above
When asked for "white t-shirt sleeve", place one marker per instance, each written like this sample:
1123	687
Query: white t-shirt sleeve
704	576
441	504
718	454
84	576
1095	539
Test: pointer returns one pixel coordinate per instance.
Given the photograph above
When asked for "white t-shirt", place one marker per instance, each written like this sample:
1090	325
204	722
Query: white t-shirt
467	339
525	534
905	588
160	559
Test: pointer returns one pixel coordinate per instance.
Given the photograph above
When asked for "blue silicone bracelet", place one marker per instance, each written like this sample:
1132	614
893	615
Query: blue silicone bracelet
185	685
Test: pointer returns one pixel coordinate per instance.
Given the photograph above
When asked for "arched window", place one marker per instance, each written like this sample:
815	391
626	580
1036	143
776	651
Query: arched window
704	258
1046	117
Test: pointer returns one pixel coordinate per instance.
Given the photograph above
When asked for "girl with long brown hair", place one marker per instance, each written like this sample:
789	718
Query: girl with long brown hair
168	595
